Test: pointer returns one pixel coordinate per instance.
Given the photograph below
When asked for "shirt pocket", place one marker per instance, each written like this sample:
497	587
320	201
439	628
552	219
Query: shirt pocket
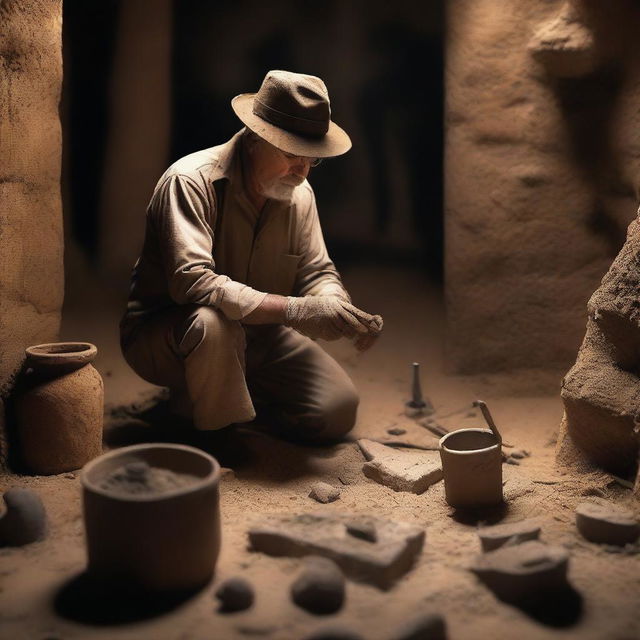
286	273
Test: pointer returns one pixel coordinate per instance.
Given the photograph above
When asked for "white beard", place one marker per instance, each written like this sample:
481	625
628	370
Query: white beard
281	190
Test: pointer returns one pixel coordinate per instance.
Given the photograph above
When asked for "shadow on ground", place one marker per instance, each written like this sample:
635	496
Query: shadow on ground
83	599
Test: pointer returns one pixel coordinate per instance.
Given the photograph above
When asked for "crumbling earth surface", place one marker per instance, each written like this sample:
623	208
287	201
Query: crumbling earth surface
601	392
43	593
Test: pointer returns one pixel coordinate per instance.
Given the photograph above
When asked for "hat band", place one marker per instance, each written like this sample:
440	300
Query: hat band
288	122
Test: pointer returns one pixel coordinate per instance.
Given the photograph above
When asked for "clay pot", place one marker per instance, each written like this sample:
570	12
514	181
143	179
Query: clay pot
166	541
59	407
472	468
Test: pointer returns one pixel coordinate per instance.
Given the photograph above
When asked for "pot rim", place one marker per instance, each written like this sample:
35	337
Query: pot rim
211	479
67	350
442	446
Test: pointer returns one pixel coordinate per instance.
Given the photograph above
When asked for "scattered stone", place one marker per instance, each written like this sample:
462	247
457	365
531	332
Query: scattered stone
512	533
510	460
70	476
426	626
323	492
235	594
519	454
396	431
607	523
380	563
333	632
363	530
515	572
320	586
24	520
400	470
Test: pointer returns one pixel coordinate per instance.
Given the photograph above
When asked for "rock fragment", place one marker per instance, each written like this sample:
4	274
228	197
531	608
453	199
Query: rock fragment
24	520
320	587
363	530
607	523
426	626
235	594
396	431
400	470
513	533
333	632
514	573
379	563
324	492
519	454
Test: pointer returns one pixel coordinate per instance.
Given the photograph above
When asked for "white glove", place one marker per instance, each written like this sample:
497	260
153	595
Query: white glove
329	318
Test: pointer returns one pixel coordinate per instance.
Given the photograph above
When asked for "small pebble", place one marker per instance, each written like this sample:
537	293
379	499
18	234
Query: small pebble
519	454
511	460
137	470
426	626
320	587
235	594
323	492
25	519
363	530
396	431
333	632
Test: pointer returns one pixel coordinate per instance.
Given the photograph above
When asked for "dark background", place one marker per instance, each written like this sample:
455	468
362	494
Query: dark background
382	63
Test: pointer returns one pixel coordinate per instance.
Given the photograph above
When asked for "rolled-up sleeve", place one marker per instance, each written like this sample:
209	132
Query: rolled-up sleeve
317	275
180	213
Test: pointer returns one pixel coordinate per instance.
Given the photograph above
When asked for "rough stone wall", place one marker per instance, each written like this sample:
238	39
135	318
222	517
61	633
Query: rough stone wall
542	170
31	237
601	392
138	148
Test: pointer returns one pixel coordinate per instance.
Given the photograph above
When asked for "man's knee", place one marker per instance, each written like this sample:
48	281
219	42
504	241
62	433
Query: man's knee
209	327
336	416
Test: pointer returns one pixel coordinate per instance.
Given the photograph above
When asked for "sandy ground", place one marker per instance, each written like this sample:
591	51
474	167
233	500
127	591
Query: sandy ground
42	598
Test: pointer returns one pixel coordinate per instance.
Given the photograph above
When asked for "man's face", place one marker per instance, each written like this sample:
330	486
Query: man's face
276	173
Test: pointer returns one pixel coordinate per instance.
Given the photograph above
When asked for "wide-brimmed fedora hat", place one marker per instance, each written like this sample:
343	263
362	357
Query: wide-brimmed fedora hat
292	112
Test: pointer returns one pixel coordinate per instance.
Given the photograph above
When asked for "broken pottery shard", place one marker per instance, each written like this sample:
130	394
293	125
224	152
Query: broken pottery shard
379	563
400	470
323	492
607	523
516	572
320	586
235	594
25	519
497	536
426	626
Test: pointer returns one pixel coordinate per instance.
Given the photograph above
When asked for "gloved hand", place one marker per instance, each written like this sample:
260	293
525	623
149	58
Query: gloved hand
329	318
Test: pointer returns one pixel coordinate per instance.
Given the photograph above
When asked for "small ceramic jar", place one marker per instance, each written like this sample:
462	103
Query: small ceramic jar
59	408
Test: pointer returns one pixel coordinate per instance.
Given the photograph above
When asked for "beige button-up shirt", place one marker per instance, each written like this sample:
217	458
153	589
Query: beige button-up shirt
206	244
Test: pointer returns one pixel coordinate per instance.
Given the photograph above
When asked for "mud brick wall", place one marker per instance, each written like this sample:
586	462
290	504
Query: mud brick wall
31	237
542	172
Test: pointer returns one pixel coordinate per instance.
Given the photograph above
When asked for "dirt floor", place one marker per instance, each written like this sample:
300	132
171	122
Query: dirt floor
42	595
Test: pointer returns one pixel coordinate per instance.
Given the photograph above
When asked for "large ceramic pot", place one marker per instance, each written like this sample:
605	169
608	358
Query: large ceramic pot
59	408
148	538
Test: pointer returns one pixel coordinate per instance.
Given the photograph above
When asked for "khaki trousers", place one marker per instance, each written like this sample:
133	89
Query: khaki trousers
223	371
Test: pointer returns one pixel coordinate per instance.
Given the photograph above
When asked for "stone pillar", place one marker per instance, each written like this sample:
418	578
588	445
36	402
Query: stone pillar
539	186
31	235
139	132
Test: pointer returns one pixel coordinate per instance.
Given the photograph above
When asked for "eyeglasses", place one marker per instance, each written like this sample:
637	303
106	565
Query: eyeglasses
313	162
